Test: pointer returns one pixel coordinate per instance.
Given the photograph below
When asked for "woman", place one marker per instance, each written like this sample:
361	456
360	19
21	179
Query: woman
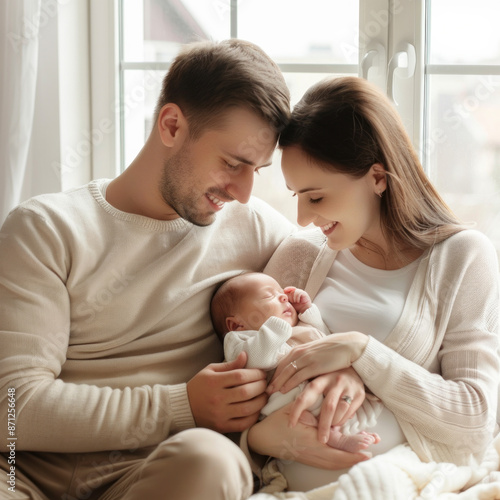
411	293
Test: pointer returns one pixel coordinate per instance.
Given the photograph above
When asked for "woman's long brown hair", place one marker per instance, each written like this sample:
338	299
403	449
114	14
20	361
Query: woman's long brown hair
346	125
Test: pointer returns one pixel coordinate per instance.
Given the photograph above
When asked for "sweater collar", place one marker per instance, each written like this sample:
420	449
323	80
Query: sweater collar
98	188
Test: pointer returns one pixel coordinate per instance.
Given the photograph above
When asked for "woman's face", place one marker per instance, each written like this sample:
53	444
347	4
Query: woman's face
344	207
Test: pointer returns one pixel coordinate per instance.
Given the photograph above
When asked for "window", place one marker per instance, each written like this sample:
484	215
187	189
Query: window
462	148
154	30
439	61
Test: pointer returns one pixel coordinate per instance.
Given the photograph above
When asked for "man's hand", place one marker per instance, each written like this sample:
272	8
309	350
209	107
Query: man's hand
227	397
299	299
273	436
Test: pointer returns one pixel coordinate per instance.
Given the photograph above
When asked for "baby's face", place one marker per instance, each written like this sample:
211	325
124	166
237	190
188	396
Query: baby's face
263	298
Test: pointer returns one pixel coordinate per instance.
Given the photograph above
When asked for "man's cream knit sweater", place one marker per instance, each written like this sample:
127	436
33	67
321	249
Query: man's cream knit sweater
104	315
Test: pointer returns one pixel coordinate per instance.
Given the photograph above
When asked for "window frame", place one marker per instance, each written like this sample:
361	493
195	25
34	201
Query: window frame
164	66
387	25
105	87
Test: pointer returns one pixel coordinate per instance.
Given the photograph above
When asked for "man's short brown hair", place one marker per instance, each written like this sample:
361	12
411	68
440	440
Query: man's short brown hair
208	78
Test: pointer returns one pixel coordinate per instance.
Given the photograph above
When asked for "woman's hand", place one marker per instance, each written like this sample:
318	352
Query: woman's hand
334	352
272	436
334	410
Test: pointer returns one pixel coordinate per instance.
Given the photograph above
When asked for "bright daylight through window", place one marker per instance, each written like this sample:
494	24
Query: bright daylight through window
459	54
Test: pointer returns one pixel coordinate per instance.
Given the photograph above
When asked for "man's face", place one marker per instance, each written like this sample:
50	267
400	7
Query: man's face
218	167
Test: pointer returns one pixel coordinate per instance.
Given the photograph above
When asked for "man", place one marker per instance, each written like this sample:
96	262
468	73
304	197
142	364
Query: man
108	358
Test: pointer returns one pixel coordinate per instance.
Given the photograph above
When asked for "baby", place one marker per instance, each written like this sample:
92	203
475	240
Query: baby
252	313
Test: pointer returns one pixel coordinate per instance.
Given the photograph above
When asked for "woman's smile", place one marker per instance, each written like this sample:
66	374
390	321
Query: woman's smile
328	228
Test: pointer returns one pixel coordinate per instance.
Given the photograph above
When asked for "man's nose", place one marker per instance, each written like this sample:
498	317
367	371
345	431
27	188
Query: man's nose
240	186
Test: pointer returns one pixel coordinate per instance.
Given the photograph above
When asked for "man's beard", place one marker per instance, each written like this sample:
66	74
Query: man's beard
176	189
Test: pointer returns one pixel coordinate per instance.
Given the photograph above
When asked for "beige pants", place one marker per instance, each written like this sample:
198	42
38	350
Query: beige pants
194	464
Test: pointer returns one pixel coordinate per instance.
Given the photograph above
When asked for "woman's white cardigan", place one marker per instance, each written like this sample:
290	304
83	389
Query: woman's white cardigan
438	370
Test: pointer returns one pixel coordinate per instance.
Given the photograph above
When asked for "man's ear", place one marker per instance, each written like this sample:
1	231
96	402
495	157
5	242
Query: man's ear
171	123
234	324
379	176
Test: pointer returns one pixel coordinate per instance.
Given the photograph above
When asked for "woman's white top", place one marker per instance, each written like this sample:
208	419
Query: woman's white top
438	369
356	297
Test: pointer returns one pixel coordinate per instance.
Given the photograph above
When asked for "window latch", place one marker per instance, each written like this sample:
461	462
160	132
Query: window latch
402	65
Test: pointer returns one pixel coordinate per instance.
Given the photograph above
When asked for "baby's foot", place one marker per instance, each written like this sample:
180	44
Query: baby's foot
353	444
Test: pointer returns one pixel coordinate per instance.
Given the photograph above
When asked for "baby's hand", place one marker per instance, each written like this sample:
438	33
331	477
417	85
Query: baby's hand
299	299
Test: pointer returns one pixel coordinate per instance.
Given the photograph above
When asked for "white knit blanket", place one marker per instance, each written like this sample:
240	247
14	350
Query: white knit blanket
400	475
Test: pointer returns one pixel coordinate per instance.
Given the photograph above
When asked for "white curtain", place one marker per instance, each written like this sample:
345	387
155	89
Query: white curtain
19	23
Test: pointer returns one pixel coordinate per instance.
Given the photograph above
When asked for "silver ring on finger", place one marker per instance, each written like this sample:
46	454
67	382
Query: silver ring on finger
347	399
294	365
